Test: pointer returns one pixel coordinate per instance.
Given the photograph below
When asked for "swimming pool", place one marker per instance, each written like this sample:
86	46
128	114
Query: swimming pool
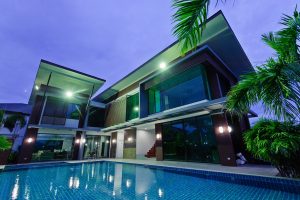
110	180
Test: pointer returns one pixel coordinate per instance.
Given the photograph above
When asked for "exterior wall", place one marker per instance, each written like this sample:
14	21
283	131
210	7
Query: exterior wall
120	144
145	139
129	150
116	112
113	147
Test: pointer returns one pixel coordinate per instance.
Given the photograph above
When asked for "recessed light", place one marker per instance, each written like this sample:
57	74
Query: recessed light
162	65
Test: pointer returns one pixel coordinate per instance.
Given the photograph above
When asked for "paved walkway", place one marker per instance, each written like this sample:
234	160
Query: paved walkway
250	169
261	170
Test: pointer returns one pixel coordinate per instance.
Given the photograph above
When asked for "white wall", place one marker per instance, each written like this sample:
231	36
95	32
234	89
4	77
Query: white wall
120	144
145	139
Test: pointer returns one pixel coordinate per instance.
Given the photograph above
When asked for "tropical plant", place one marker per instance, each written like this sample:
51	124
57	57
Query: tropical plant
4	143
277	82
190	20
11	120
276	142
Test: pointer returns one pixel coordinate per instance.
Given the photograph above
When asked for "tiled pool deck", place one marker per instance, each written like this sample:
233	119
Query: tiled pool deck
258	170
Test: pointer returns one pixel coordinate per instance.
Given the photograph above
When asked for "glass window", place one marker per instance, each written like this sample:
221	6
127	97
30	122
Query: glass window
187	87
132	107
190	139
96	117
53	147
73	111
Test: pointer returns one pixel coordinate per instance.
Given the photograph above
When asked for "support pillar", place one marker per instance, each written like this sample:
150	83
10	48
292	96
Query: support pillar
158	142
28	145
224	140
113	147
129	150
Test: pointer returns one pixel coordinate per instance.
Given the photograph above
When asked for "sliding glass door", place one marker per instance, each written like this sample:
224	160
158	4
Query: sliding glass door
190	139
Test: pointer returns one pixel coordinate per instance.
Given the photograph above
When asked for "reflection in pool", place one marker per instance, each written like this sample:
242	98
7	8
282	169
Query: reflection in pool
108	180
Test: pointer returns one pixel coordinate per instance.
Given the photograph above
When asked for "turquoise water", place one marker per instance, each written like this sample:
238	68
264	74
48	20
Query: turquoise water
108	180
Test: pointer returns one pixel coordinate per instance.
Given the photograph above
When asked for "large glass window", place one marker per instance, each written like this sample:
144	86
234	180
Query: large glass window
96	117
56	111
190	139
184	88
132	107
53	147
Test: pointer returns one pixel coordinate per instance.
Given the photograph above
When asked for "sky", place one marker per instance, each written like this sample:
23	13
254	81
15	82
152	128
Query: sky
109	39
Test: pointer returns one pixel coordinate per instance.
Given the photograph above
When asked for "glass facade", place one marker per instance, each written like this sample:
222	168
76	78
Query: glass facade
53	147
96	117
190	139
56	111
96	147
184	88
132	107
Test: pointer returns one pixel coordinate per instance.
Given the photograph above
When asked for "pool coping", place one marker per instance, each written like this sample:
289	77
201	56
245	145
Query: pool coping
270	182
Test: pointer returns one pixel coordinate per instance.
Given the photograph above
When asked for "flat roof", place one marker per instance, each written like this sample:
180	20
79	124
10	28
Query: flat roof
65	79
217	35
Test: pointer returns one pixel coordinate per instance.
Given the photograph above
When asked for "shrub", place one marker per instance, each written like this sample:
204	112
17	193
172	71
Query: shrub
4	143
276	142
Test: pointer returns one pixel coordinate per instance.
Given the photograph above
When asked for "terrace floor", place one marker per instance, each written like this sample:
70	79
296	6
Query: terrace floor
250	169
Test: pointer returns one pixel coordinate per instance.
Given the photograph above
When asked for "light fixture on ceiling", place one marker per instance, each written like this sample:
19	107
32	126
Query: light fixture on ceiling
162	65
69	94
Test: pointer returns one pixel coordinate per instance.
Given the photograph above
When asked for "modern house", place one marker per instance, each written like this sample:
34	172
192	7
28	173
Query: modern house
169	108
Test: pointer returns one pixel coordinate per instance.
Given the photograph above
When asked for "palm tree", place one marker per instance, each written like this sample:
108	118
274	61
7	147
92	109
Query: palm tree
190	19
277	82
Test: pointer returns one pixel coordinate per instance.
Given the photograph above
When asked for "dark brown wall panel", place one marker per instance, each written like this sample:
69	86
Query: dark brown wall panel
113	147
224	141
116	112
27	148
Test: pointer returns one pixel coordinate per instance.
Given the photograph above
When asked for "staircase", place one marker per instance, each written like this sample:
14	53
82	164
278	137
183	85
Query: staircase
151	152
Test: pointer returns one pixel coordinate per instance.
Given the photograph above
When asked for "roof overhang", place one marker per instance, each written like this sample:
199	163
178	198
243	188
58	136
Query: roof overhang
64	79
217	35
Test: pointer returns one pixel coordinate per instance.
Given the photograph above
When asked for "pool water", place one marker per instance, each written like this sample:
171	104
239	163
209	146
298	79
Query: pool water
109	180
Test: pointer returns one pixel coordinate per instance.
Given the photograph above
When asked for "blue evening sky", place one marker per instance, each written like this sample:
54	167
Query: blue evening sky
109	39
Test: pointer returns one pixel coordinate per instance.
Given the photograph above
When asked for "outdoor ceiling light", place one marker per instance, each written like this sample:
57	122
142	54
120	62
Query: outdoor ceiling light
221	129
36	87
69	94
130	139
162	65
229	129
114	141
30	140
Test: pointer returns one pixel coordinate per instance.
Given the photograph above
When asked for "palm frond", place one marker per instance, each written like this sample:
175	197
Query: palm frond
190	19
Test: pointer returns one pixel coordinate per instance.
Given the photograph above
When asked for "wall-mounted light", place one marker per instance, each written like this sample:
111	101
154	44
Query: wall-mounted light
229	129
221	129
158	136
69	94
36	87
162	65
130	139
136	108
77	141
107	141
29	140
114	141
83	140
